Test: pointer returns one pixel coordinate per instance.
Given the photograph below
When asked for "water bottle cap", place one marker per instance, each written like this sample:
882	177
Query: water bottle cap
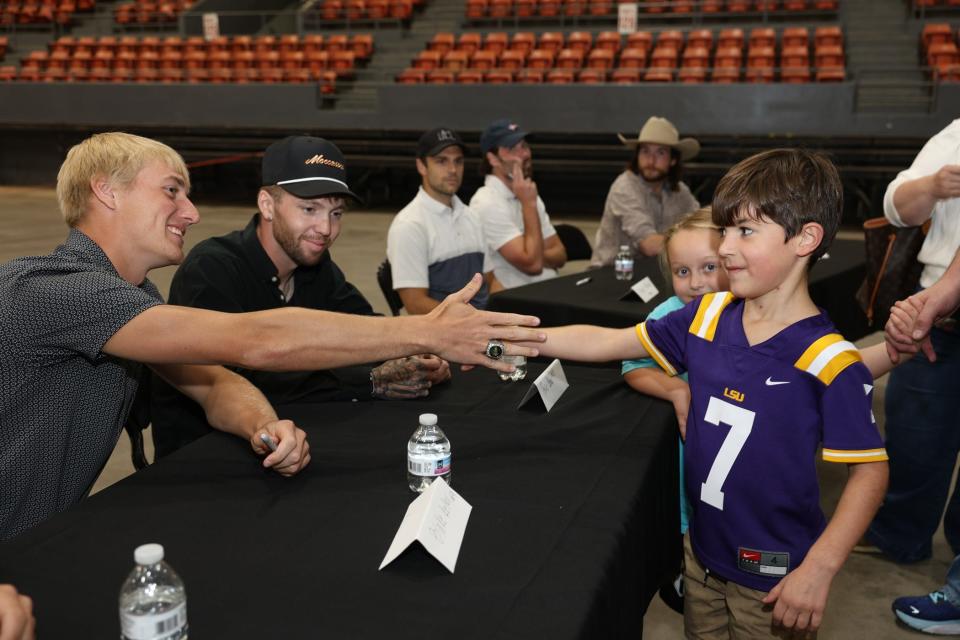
428	419
148	554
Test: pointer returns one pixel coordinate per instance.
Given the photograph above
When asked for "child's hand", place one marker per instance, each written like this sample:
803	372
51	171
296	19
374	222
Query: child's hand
801	598
681	405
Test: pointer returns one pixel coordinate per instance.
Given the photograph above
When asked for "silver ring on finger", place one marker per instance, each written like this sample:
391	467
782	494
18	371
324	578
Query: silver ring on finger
495	349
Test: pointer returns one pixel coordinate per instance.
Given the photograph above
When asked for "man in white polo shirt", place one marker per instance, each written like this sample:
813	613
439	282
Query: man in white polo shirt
524	245
435	244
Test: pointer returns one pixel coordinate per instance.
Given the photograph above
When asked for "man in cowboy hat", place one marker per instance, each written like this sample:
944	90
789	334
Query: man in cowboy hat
524	245
648	197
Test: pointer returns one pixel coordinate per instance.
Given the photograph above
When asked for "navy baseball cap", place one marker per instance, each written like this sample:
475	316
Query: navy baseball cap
501	133
306	167
436	140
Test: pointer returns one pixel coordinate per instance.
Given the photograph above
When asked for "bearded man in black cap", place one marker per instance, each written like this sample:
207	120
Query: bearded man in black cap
280	259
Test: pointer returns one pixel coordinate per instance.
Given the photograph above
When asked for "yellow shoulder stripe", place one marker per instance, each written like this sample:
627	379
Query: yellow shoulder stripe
651	349
863	455
827	357
704	324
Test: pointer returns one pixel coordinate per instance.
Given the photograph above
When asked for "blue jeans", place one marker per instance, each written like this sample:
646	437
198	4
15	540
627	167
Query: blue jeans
923	440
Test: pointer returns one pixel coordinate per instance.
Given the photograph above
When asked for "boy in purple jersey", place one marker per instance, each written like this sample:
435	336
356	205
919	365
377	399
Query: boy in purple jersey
771	381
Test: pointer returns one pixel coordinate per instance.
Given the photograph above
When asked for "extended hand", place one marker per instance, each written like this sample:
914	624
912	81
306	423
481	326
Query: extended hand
459	333
293	450
409	377
16	615
946	182
800	598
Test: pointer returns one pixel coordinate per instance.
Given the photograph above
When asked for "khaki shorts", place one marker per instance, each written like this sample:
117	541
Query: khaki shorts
716	609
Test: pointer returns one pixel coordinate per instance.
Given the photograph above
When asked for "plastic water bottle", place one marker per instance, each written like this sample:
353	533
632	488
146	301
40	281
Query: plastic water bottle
428	454
519	373
153	602
623	263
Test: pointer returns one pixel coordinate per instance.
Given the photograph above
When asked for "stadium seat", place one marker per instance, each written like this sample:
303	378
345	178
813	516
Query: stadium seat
759	74
670	38
524	8
795	5
592	76
580	40
827	36
428	60
440	76
470	77
691	75
496	42
829	56
767	5
640	40
523	41
561	76
499	76
600	7
658	74
663	58
569	59
711	6
500	8
794	57
758	57
795	37
483	60
608	40
362	45
728	57
625	76
529	76
696	57
411	75
575	7
633	58
794	75
700	38
512	60
725	75
831	74
540	59
549	8
730	38
600	59
551	41
763	37
469	42
456	60
936	33
476	9
442	42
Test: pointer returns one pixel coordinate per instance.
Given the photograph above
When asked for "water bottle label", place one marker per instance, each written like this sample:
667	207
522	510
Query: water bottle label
157	626
428	465
623	264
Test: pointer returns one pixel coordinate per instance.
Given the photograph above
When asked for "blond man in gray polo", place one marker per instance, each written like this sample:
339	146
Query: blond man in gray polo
648	197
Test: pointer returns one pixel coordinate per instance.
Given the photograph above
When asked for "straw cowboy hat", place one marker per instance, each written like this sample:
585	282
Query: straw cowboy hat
661	131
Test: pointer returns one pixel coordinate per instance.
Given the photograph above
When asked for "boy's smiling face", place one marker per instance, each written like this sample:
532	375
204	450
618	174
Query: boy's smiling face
757	255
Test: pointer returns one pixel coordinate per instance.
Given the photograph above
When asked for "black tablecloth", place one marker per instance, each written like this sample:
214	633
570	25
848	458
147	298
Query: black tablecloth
574	524
605	301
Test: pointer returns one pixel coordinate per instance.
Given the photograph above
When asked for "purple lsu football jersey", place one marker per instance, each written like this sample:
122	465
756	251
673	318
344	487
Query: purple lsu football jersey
758	414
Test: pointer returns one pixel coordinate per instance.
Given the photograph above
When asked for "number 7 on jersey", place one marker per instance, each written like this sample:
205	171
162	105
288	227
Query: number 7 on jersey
740	421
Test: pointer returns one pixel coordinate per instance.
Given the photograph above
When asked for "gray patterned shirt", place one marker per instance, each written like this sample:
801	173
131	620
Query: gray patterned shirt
63	402
634	211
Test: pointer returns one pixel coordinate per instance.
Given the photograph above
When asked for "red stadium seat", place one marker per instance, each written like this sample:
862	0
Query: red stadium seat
499	76
795	75
730	38
671	38
440	76
561	76
456	60
551	41
470	77
469	42
483	60
428	60
763	37
608	40
549	8
831	74
795	37
658	74
496	42
633	58
826	36
696	57
580	40
500	8
795	57
592	76
725	75
625	76
412	76
512	60
760	57
529	76
640	40
476	9
691	75
937	33
569	59
728	57
540	59
700	38
442	42
523	41
600	59
829	56
663	58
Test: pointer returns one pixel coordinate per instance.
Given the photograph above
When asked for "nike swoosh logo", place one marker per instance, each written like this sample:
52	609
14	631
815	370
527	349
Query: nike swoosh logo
772	383
914	610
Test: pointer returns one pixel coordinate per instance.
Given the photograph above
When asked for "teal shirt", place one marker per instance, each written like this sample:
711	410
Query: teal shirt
669	305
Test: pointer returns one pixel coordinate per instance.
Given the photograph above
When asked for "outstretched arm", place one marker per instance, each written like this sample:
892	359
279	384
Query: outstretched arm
588	343
297	339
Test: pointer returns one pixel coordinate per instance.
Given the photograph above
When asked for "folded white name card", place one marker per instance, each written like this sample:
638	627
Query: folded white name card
438	520
645	289
550	385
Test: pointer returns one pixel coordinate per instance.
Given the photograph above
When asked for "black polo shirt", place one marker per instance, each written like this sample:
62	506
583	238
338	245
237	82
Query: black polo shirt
233	273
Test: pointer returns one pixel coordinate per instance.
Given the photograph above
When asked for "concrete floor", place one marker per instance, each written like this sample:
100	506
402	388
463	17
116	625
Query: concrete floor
860	598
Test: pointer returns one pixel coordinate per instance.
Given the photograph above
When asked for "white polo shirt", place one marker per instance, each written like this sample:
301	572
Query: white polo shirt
435	247
943	239
502	216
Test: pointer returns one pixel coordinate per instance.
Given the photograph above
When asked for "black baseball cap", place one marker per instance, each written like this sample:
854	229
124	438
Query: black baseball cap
306	167
501	133
436	140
